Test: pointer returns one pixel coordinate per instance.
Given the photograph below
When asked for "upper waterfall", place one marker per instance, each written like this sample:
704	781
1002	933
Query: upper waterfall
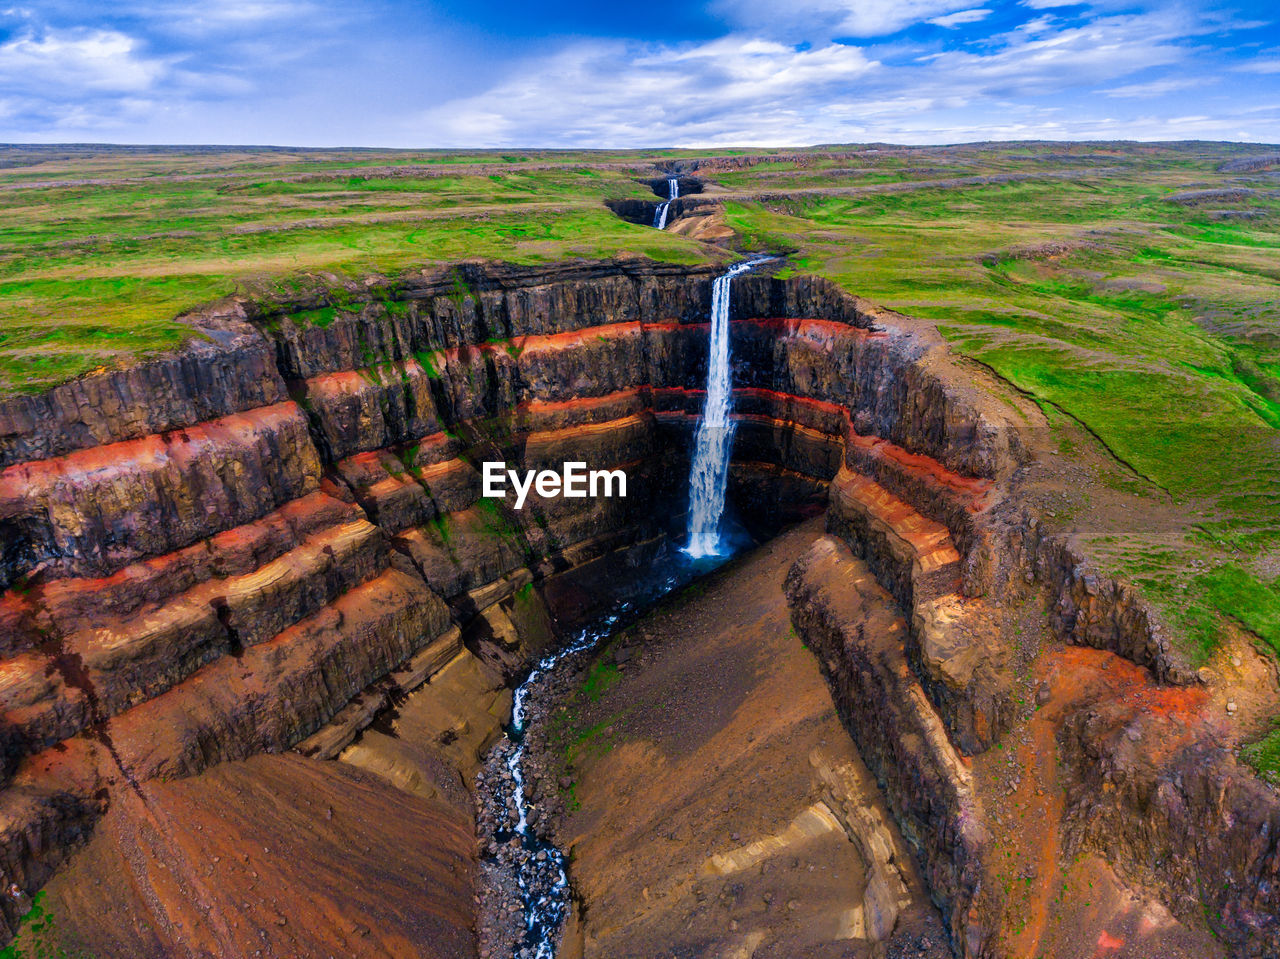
673	193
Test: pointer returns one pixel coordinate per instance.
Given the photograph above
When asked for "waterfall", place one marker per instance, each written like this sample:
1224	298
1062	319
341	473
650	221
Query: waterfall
713	443
673	193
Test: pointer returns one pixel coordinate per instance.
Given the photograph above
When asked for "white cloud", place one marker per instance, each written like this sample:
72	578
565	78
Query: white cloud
1056	60
736	89
1261	66
1157	88
962	16
743	89
232	17
292	71
77	59
1039	25
248	11
838	18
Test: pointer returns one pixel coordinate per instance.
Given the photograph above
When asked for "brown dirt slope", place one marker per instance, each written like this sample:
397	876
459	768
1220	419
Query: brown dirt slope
722	806
274	856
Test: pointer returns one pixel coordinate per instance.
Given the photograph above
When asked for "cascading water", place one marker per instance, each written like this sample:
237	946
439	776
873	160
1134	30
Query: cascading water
673	193
712	445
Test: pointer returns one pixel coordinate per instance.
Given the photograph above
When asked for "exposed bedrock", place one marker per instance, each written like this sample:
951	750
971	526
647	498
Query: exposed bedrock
1145	778
1088	609
1183	817
275	539
227	369
850	623
642	211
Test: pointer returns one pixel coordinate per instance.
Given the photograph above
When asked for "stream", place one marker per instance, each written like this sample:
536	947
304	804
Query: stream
535	864
524	872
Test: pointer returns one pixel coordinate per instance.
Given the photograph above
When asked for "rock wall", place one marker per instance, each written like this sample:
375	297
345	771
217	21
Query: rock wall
1090	609
851	625
226	368
1176	811
927	523
213	554
264	539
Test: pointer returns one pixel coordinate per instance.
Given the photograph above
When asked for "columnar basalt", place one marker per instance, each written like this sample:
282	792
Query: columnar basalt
276	539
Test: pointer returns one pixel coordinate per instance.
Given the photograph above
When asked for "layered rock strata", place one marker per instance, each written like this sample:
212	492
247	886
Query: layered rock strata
230	550
276	537
910	606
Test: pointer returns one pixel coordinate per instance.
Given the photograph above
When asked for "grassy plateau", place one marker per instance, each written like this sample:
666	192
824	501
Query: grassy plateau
1131	290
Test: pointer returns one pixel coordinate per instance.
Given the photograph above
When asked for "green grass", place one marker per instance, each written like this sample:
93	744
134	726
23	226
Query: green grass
600	678
1264	756
593	737
92	276
38	937
1201	606
442	525
571	741
1248	600
496	522
432	363
572	735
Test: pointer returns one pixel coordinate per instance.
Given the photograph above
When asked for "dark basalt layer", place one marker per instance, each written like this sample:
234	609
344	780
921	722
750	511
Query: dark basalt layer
642	211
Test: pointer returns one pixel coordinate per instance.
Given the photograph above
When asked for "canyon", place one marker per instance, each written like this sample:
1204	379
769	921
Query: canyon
254	599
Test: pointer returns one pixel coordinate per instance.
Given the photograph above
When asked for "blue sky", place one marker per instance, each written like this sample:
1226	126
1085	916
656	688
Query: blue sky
590	73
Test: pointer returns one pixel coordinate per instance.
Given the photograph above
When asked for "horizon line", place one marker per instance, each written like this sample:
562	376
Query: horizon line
852	144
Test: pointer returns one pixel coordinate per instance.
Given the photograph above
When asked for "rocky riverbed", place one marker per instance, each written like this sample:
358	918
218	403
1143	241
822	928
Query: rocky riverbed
694	767
523	892
524	895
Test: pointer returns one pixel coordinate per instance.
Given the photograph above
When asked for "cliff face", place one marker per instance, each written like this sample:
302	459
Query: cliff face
263	541
220	553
